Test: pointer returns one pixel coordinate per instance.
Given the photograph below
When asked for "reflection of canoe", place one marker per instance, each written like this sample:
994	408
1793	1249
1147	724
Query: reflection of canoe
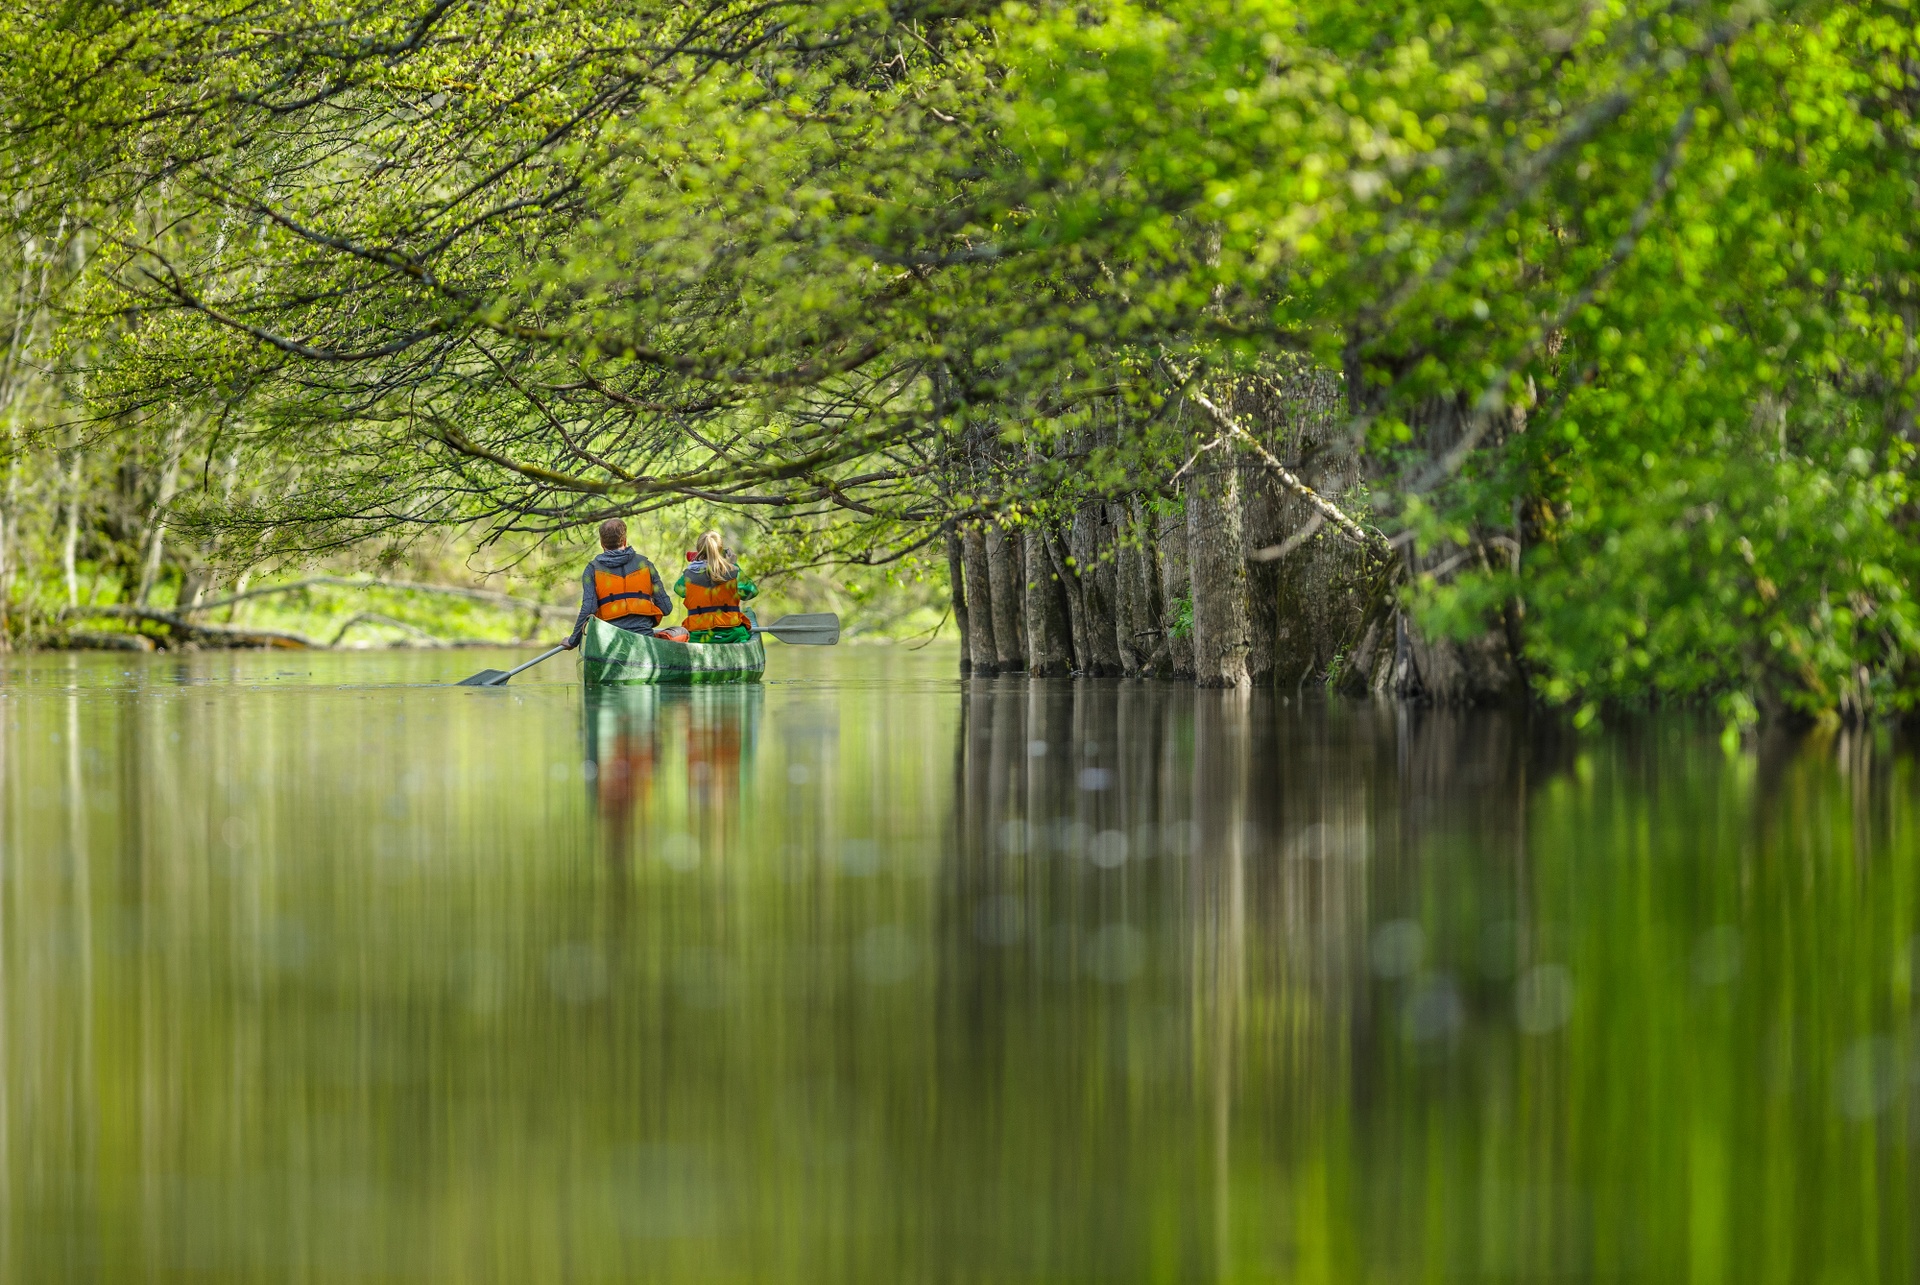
612	655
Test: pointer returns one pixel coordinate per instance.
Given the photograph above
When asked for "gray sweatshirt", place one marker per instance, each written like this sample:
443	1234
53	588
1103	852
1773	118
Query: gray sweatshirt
622	562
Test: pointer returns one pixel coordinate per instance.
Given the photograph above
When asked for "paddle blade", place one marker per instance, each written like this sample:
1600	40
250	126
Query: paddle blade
485	678
814	629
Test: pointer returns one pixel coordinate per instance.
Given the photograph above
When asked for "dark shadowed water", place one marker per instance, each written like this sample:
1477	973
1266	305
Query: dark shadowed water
311	971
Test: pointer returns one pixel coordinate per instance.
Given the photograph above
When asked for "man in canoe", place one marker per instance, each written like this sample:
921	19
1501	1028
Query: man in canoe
620	587
713	589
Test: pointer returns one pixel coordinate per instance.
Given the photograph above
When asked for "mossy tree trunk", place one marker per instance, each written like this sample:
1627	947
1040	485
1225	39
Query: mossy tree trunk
957	595
1004	578
1087	542
1218	567
1049	636
1176	589
981	650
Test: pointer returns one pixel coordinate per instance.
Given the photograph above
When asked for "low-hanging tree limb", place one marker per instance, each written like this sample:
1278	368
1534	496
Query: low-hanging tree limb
1231	430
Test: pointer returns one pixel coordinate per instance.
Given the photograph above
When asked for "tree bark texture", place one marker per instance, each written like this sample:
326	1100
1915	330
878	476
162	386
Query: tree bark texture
1176	592
1017	538
980	642
157	523
1153	595
1445	671
1260	527
1004	577
1132	629
957	596
1218	566
1049	639
1075	594
1088	539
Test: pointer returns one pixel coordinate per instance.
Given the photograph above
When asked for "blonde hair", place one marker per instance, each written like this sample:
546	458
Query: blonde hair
714	554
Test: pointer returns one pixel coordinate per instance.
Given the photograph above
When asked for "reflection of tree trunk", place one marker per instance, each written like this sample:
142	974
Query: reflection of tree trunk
957	594
1219	572
1087	543
1221	736
1075	594
1005	595
1049	644
1176	593
980	612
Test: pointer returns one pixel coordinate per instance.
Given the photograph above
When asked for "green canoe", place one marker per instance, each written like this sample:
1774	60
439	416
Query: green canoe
612	655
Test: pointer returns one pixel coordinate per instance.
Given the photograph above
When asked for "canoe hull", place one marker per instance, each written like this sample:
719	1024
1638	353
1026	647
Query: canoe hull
609	655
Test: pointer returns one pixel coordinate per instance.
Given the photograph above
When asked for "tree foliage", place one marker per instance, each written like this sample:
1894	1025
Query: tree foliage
1623	294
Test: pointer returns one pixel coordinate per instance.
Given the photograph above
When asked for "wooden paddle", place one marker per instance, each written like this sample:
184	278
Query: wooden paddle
813	629
499	677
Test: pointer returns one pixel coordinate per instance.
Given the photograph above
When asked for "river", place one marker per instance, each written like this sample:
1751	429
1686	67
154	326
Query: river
314	970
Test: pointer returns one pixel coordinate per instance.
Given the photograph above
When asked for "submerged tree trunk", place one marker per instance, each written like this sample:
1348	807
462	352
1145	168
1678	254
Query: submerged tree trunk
1004	578
1049	642
1219	572
980	642
1176	594
957	595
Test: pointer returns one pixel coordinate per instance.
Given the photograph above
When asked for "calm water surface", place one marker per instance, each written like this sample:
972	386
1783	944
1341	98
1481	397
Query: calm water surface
313	971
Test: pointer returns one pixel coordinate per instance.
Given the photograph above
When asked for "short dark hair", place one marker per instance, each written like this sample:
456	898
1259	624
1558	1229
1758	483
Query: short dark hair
613	534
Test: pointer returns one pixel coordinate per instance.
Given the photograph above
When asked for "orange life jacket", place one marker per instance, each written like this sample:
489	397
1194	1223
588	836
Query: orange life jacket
628	595
715	606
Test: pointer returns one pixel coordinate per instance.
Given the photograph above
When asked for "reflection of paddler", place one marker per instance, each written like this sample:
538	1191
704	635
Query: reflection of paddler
632	733
713	754
623	744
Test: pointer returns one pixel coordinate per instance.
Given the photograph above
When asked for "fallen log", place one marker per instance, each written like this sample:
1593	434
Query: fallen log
181	627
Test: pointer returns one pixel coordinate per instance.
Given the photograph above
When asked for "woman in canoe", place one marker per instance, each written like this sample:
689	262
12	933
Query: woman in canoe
713	589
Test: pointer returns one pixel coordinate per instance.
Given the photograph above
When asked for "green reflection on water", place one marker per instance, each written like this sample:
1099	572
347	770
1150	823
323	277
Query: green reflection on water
314	972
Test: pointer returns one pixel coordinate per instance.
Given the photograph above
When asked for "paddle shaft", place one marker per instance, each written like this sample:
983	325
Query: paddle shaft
554	651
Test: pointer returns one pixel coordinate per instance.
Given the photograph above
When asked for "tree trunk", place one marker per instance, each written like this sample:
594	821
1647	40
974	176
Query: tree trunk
9	529
1133	577
157	524
1049	642
70	538
1454	671
1088	542
1075	594
1176	594
1219	570
980	646
957	595
1260	527
1447	671
1004	578
1019	541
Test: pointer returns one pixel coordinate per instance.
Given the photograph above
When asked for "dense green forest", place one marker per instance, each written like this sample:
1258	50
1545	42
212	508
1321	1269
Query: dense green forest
1449	350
